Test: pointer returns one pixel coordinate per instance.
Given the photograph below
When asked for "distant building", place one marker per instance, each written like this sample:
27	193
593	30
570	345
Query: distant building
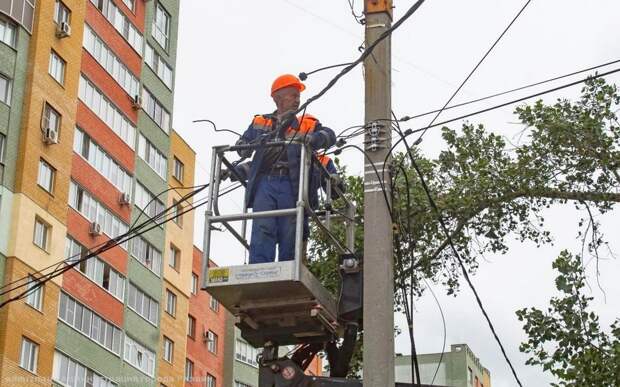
459	368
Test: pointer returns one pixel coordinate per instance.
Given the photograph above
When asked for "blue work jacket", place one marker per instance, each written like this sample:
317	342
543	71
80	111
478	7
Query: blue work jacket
261	131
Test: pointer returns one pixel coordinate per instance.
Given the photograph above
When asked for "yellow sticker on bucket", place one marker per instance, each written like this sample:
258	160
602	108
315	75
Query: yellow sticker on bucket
219	275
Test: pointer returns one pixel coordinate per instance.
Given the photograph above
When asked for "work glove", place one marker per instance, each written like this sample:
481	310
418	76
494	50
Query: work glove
315	140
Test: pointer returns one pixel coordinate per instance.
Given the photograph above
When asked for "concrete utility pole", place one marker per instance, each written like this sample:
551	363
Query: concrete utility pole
378	259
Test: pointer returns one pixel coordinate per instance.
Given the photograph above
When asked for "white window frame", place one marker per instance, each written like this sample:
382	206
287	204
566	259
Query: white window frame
211	381
62	13
178	169
164	72
214	304
51	118
171	303
139	357
156	110
168	351
41	233
189	370
147	254
2	155
152	156
143	304
28	355
63	364
191	326
161	27
212	342
194	284
8	32
35	298
174	257
5	93
46	176
57	67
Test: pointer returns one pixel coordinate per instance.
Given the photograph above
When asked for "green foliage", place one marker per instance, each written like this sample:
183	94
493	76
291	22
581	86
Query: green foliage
567	340
490	192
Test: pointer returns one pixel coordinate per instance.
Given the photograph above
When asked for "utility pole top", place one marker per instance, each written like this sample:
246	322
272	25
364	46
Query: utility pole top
378	6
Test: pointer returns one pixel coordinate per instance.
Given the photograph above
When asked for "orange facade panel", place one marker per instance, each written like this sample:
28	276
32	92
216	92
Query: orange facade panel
105	137
78	226
207	319
106	193
112	38
104	81
88	293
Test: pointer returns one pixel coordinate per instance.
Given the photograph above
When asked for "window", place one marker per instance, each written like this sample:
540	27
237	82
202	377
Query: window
5	89
57	68
189	370
191	326
45	179
94	211
210	380
178	170
120	22
158	65
241	384
51	118
35	293
97	270
174	258
22	11
29	354
155	110
177	210
470	378
146	254
168	349
2	153
41	233
107	111
148	202
71	373
161	26
110	62
171	303
129	4
194	284
62	14
214	304
142	304
84	320
139	356
152	156
212	342
8	32
101	161
245	353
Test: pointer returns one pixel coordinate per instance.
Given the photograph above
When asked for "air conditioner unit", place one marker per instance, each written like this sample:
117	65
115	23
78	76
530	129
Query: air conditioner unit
95	229
50	136
63	30
136	102
124	199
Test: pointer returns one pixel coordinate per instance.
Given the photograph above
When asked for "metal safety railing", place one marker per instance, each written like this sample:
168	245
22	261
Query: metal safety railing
324	217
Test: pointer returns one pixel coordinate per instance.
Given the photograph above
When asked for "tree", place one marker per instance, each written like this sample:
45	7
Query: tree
567	339
489	190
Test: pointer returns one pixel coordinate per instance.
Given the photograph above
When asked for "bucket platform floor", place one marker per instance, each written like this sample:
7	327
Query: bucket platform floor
272	303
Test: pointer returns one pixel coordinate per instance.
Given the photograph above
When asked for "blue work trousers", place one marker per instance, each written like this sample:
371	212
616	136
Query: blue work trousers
274	193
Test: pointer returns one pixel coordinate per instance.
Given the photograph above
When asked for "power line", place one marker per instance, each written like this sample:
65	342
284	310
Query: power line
444	229
364	55
407	118
478	64
409	132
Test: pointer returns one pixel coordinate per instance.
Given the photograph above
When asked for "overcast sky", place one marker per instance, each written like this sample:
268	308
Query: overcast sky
230	51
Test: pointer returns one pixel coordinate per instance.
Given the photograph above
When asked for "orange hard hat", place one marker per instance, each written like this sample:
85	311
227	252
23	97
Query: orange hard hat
286	80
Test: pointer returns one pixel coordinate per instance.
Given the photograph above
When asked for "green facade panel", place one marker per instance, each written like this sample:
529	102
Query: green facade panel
87	352
13	64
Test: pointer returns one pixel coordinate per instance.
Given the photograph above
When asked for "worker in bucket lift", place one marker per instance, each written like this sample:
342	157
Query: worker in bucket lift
273	175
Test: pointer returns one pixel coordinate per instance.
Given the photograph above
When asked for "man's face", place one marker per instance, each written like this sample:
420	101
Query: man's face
286	99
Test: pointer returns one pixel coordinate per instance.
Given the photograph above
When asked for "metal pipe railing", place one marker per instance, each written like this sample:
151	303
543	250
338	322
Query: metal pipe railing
307	160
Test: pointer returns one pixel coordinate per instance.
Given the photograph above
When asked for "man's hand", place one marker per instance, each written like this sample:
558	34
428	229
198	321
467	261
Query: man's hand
315	140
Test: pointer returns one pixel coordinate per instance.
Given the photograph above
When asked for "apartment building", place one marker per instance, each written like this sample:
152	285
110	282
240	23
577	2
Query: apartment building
87	152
